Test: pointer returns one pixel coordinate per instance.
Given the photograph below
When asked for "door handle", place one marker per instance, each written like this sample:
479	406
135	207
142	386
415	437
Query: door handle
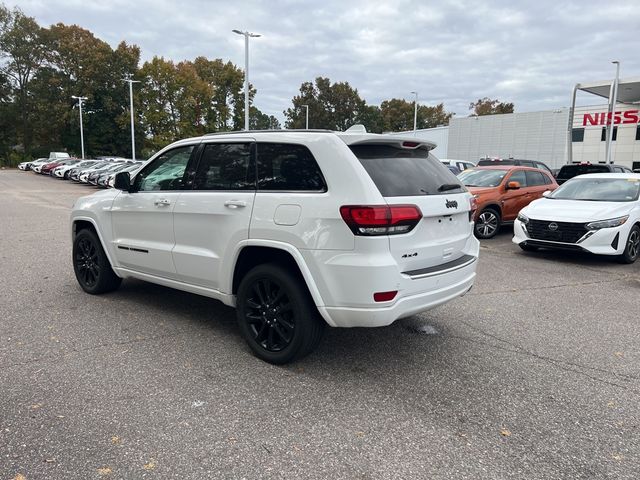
235	204
162	202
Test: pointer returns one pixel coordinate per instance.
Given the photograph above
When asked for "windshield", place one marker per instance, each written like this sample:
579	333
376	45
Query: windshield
399	172
599	190
482	178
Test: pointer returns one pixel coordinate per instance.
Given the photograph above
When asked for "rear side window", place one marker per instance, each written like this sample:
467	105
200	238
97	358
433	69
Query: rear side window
288	167
225	166
399	172
570	171
535	179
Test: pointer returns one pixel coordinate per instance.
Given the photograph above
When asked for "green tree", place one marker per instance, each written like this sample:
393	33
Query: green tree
23	47
487	106
262	121
371	117
335	106
398	115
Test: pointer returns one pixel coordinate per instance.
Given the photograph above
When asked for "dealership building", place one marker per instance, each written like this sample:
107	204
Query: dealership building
549	136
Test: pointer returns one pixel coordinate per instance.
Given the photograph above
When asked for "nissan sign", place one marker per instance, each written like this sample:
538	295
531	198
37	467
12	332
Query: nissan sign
604	118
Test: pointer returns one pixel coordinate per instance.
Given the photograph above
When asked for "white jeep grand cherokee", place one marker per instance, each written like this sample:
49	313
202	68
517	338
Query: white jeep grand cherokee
296	229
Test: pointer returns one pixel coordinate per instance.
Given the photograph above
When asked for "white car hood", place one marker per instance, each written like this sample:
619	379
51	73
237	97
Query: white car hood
576	210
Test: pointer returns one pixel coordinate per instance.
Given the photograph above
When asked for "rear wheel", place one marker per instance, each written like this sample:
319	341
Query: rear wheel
91	265
632	248
487	224
276	315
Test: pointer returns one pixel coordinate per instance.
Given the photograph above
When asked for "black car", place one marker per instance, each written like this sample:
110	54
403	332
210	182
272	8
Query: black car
567	172
498	162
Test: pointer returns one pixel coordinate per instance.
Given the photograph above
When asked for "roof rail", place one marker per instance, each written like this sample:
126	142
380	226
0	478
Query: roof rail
240	132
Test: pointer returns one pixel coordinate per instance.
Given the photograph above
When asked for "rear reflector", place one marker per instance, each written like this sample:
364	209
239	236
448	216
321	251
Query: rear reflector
384	296
380	219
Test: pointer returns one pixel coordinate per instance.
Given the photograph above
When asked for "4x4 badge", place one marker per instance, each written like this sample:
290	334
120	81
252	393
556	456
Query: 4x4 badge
451	204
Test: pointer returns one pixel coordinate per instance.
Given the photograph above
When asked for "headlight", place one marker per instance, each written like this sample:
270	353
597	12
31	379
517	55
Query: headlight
523	218
613	222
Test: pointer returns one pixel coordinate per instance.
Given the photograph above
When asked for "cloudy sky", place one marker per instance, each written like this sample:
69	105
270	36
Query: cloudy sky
451	51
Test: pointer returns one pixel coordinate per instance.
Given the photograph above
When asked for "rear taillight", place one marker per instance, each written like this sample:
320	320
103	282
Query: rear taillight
473	206
380	219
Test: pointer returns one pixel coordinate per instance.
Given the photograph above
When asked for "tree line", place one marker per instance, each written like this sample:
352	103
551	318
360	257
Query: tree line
41	68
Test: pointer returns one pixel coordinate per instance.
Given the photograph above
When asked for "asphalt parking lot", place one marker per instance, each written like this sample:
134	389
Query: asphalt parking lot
534	374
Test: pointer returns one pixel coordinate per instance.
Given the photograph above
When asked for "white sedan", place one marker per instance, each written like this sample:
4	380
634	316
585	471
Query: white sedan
597	213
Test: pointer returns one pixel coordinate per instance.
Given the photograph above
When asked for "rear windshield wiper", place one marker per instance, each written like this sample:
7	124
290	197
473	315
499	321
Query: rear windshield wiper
448	186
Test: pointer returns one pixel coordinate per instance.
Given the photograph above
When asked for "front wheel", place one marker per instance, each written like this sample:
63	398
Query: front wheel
276	315
91	265
487	224
632	248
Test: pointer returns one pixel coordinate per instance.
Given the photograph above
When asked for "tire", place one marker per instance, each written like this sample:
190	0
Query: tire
528	248
487	224
91	265
632	246
66	175
276	315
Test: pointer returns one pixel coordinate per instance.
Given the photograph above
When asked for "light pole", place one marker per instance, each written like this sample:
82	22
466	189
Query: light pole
613	100
415	113
307	116
130	81
80	100
246	73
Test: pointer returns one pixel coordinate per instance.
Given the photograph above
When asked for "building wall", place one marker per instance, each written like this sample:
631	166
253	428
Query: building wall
543	136
531	135
625	149
438	135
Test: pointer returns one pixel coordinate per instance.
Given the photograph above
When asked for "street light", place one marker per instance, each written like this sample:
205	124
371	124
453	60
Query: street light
130	81
415	113
246	74
307	116
613	100
80	100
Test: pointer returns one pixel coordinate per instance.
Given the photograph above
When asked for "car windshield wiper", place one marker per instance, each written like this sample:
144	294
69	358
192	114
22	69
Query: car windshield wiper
448	186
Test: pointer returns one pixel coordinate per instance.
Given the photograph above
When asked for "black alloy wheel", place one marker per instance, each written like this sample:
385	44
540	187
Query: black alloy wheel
632	247
276	314
487	224
91	265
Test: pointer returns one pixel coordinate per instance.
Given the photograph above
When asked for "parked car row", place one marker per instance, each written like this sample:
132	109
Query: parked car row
97	172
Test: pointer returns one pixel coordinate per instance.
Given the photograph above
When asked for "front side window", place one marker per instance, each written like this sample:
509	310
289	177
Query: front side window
225	166
166	172
520	177
288	167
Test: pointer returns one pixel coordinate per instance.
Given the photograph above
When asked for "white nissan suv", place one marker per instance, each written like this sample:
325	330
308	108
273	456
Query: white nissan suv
296	229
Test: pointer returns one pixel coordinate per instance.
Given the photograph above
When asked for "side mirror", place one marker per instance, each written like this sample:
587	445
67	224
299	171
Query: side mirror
513	185
546	193
122	181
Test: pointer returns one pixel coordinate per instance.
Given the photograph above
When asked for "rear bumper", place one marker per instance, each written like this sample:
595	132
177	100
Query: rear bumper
451	285
347	281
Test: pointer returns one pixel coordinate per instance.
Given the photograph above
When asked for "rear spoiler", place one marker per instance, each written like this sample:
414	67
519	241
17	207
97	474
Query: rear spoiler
411	143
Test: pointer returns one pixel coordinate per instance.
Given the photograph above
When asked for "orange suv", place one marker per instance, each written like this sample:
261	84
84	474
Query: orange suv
501	192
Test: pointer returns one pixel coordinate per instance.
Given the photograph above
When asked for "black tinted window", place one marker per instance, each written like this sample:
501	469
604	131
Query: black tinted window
570	171
225	166
283	166
487	162
401	172
577	135
535	179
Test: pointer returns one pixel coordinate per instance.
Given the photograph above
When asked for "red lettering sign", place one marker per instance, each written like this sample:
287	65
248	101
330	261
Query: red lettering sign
604	118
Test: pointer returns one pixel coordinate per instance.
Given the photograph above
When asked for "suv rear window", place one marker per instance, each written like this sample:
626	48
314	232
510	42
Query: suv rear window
496	163
570	171
288	167
399	172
